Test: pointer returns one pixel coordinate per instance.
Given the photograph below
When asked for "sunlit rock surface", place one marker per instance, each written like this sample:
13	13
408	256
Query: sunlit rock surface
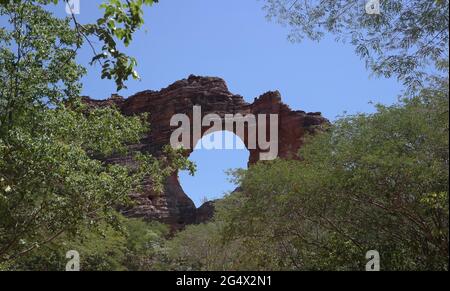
174	206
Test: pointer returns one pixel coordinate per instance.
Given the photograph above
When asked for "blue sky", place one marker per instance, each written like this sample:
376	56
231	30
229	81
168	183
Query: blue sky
233	40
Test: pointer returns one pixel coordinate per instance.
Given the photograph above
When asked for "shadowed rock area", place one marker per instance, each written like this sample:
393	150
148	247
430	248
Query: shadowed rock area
174	206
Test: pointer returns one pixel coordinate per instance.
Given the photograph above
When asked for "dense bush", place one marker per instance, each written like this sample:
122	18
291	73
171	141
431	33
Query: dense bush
372	182
134	247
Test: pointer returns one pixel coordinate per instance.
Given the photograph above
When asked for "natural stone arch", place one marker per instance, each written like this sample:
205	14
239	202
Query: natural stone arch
174	206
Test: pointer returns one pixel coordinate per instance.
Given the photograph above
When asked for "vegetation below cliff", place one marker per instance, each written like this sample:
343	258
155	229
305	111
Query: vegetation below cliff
371	182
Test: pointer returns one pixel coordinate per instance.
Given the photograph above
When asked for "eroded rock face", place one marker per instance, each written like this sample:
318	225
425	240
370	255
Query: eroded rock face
174	206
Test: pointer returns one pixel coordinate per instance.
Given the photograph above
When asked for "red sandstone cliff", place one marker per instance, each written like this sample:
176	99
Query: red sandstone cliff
174	206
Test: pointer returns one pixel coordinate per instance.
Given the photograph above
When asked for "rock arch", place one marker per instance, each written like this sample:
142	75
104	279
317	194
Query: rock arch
174	206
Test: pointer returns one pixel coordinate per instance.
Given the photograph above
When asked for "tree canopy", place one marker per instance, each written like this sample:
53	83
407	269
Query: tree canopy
371	182
408	39
54	176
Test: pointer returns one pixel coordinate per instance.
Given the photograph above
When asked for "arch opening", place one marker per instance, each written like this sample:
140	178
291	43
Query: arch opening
213	159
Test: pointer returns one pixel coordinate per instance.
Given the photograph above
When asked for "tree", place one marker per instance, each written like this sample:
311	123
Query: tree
372	182
53	176
406	39
120	20
133	247
145	245
201	248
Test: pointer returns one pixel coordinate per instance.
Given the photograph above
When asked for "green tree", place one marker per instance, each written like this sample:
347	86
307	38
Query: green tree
372	182
53	178
406	39
202	248
120	20
146	245
136	246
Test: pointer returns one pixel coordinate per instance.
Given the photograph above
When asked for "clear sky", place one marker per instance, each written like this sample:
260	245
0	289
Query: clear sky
233	40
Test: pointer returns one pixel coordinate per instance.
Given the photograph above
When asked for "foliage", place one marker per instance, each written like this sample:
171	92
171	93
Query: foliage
37	62
120	20
131	248
405	40
145	245
54	174
49	181
372	182
201	247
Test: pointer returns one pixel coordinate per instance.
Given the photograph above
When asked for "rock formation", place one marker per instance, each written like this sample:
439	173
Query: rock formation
174	206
